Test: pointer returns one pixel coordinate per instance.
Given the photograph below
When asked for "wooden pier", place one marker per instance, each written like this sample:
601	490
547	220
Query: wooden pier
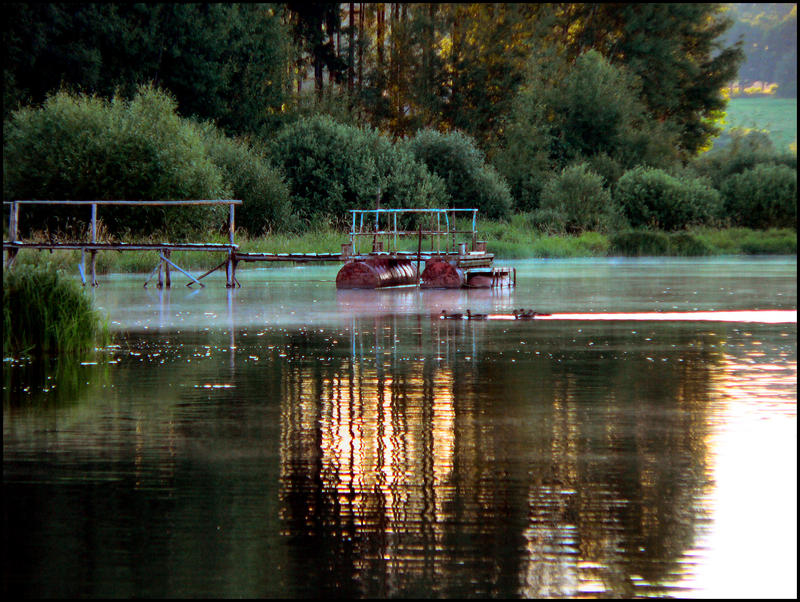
164	249
392	266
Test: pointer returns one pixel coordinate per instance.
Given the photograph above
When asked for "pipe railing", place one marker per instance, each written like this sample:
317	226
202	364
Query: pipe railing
13	228
392	230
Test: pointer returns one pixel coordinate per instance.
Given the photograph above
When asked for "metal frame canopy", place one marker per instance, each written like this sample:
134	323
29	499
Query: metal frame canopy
373	227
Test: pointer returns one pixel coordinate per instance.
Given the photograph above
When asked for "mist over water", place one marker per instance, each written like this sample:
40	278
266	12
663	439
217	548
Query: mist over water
288	439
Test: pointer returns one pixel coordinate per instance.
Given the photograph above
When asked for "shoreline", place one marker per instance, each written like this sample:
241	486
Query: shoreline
505	241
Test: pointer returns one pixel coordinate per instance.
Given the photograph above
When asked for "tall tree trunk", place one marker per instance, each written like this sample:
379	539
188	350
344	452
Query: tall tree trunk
319	70
393	66
379	36
427	66
350	55
455	53
361	9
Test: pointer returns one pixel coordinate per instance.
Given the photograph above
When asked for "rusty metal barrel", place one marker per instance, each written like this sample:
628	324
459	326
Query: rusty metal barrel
376	272
440	273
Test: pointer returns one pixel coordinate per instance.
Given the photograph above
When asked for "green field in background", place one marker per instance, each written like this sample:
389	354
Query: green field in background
778	116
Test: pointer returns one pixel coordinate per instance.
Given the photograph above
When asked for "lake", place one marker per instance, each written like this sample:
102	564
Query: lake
286	439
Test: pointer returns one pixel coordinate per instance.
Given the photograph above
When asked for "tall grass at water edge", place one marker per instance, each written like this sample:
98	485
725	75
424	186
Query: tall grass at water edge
46	313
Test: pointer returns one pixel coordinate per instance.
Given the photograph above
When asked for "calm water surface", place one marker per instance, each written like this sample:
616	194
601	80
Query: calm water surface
290	440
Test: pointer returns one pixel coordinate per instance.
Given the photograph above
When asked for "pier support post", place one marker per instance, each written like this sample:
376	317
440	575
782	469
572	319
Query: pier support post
167	282
81	269
93	266
93	253
13	221
230	271
160	281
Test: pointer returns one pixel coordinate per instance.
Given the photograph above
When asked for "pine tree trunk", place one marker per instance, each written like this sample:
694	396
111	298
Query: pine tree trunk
361	9
379	37
350	55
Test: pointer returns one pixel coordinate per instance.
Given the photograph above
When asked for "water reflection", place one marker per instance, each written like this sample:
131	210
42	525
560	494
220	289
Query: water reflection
753	452
361	448
546	473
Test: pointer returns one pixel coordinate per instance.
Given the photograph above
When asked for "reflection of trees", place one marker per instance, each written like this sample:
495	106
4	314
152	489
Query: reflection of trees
415	458
435	465
51	381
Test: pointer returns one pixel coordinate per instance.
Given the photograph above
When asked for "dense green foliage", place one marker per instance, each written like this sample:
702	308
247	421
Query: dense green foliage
220	61
332	167
653	198
578	197
44	312
589	112
564	112
266	204
470	181
764	196
88	148
680	60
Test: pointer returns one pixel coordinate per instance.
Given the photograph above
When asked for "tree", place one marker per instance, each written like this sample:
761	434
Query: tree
83	147
676	50
469	180
332	167
589	111
315	26
225	62
485	64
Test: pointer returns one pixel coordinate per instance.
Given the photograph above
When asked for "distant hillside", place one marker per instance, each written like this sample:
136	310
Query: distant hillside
769	32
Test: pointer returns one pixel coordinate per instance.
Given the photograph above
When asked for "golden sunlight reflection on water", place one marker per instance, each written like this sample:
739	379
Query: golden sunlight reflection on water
372	445
750	549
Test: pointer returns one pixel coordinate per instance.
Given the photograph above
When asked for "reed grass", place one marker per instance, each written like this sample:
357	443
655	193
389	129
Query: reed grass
47	313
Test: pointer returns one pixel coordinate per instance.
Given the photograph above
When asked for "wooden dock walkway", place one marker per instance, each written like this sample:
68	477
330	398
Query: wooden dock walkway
477	260
12	246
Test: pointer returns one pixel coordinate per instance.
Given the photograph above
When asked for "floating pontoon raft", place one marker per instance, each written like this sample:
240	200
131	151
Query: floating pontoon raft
448	263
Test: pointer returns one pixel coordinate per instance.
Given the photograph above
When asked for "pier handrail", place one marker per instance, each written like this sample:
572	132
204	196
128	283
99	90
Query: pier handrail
13	218
13	245
127	202
437	234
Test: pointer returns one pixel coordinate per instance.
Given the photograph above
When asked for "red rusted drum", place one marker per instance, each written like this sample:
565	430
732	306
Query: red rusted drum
376	272
439	273
480	281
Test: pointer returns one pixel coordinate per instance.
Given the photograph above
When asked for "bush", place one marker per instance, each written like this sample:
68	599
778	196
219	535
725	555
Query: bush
770	242
550	221
578	194
736	151
639	242
594	243
762	197
469	180
332	168
86	148
686	244
652	198
248	174
44	312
